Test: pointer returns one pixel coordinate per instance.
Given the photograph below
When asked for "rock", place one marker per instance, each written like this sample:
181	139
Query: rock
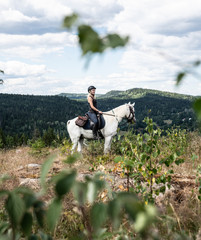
32	166
29	182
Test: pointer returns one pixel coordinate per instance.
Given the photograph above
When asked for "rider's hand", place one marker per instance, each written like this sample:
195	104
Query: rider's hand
100	112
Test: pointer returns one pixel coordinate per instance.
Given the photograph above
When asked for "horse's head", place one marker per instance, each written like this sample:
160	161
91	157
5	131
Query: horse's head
131	113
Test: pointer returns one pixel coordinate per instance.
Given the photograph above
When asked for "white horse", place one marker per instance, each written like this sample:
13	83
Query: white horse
112	120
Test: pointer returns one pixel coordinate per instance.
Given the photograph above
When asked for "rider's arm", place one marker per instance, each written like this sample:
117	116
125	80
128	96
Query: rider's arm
90	101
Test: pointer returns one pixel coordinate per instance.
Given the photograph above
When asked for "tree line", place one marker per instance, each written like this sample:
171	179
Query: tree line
24	117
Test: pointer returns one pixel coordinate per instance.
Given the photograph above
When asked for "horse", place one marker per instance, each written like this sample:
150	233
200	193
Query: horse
112	119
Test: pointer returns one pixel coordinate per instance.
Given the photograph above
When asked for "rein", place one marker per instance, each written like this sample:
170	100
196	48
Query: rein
114	115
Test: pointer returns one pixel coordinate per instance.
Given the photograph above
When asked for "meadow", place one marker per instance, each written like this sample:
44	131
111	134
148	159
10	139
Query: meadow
148	187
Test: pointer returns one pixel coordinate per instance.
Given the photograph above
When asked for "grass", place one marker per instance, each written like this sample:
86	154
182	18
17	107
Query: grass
180	208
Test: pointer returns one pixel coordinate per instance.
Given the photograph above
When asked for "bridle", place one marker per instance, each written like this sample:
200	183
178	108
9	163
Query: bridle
130	118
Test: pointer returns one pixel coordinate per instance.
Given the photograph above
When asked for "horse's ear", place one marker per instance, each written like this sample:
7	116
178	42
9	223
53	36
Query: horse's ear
129	103
133	104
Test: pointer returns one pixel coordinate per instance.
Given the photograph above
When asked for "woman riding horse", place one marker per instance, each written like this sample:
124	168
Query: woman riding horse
93	111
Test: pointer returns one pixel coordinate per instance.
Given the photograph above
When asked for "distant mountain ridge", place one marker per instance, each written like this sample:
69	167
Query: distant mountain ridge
133	93
24	114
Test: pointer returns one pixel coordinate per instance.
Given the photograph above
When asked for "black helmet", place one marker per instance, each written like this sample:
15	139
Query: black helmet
90	88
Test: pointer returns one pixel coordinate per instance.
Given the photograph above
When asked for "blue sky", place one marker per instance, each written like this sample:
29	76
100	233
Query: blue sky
39	57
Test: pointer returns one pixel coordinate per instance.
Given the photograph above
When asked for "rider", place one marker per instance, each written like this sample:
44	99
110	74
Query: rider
93	111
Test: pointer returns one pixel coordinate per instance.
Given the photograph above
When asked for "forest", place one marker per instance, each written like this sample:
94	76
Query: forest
30	115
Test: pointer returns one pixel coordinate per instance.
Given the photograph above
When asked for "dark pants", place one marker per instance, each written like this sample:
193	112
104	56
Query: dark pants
93	118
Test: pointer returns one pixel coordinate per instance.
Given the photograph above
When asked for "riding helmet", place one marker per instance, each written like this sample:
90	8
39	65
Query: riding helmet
90	88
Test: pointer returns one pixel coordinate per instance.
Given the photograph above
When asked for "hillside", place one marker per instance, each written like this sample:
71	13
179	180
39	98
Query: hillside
140	92
26	114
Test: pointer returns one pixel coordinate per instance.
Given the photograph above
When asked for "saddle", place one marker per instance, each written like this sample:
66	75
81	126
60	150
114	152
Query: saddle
86	123
81	121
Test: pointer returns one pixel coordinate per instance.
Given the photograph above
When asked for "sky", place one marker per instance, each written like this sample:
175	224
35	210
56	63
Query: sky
40	57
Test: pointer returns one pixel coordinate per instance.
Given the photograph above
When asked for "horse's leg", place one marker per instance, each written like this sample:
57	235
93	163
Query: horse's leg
107	144
75	142
80	144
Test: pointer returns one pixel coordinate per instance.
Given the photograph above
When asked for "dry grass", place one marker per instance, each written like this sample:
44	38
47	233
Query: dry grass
185	210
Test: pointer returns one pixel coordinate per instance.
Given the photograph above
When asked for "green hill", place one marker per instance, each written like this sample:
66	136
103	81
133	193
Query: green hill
24	114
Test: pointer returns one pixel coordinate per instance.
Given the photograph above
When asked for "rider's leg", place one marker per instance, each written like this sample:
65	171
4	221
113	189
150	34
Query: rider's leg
94	130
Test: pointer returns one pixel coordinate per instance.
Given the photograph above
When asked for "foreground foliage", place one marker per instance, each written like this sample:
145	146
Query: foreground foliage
90	209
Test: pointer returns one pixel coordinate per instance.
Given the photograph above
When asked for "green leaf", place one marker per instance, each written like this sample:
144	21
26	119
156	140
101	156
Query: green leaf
162	189
29	200
26	223
89	40
114	212
180	76
65	183
197	108
144	218
45	237
15	208
4	226
33	237
39	212
118	159
53	213
179	161
91	191
23	190
98	215
44	171
70	20
72	158
197	63
114	40
3	192
80	192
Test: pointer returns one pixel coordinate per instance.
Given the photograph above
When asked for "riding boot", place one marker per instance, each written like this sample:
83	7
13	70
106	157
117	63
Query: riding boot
95	133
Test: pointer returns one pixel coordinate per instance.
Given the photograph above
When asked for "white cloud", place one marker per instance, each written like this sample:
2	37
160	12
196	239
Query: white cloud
34	46
16	69
165	37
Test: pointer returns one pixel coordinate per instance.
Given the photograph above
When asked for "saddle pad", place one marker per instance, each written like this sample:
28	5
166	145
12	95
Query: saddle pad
87	126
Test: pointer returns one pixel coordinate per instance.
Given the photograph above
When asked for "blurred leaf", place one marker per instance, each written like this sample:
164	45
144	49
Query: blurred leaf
70	20
196	63
65	183
33	237
44	171
98	215
26	223
114	212
4	177
89	40
45	237
73	158
15	208
118	159
144	218
29	200
114	40
3	192
39	212
80	192
180	76
4	226
1	71
197	108
91	192
141	222
53	213
179	161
